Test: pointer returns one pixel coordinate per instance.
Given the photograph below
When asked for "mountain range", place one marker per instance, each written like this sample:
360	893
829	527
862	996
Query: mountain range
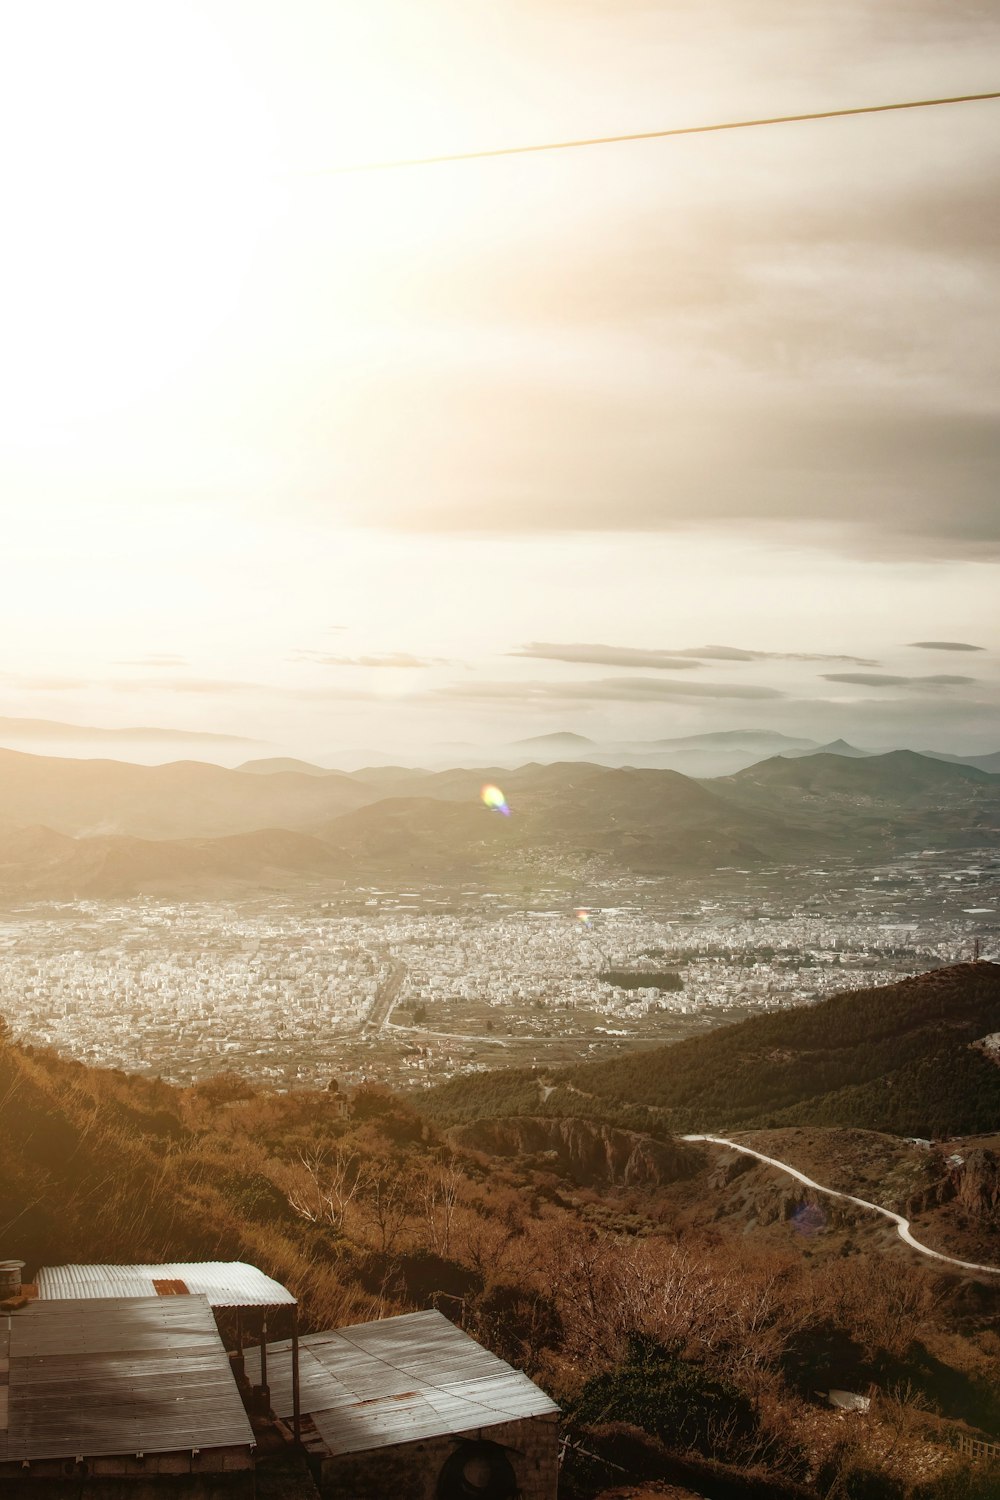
111	828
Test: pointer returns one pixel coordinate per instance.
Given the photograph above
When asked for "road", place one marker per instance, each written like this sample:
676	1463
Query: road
902	1225
385	999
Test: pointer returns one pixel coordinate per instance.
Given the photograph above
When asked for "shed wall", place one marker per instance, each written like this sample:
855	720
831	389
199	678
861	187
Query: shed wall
409	1471
239	1486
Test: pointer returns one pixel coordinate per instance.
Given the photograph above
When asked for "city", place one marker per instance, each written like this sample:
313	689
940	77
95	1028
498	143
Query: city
410	988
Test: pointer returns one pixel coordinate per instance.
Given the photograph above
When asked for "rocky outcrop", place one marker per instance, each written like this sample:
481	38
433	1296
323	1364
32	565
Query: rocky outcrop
728	1168
973	1186
979	1185
589	1152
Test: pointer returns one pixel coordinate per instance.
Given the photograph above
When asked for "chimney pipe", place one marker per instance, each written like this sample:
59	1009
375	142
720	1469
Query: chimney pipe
10	1278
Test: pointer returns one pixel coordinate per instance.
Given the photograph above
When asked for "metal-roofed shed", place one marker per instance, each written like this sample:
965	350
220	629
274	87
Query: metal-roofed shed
231	1287
120	1386
400	1398
231	1283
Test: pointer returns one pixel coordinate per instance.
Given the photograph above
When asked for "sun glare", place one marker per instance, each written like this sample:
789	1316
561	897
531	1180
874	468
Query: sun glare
134	202
169	202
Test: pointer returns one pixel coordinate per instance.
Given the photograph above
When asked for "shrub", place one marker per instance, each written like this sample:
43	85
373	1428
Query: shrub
674	1400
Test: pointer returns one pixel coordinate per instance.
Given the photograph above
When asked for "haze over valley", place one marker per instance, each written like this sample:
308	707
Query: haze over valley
299	922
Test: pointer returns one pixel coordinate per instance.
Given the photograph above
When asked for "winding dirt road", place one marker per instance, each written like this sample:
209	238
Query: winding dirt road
902	1225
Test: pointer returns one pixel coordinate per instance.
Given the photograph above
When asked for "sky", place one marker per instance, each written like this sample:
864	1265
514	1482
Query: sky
635	441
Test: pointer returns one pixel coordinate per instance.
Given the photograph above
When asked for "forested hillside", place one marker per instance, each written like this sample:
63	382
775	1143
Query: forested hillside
900	1058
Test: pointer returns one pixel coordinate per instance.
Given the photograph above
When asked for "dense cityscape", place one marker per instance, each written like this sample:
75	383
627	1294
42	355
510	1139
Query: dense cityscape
412	987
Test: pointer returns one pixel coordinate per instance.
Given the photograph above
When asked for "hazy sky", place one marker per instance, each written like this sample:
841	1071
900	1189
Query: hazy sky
489	449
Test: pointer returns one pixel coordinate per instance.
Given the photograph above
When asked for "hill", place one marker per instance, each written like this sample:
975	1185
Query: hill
900	1059
39	864
895	778
990	762
183	799
276	764
644	821
764	741
897	801
562	739
394	822
92	736
625	1304
835	747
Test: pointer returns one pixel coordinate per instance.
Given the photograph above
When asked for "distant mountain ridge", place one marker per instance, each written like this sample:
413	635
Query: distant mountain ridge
989	763
277	764
562	739
17	729
393	822
836	747
183	799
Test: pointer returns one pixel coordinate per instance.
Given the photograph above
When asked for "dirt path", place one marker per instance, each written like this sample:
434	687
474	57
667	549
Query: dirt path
902	1225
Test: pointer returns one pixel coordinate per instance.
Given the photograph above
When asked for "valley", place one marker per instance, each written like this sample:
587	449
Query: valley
292	990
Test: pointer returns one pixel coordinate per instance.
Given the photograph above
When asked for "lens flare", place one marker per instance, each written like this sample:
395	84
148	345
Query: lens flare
809	1220
583	917
494	799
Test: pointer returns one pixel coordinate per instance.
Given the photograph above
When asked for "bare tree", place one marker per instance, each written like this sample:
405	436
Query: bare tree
388	1203
324	1183
437	1190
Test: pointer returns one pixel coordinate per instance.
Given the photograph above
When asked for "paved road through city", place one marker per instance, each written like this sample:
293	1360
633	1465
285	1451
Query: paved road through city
902	1225
385	998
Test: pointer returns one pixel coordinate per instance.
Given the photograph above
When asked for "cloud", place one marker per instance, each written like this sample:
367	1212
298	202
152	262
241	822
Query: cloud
780	343
738	653
620	689
868	467
884	679
392	659
946	646
667	660
606	656
198	685
155	660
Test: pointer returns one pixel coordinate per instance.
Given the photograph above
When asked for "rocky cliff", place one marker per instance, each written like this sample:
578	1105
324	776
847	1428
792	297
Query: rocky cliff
978	1187
588	1152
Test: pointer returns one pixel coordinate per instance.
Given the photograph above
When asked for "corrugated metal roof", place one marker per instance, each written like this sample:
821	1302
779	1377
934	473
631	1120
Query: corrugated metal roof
398	1380
226	1283
96	1378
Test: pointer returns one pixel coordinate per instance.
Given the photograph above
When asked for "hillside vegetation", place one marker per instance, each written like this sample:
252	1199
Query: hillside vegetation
900	1058
621	1310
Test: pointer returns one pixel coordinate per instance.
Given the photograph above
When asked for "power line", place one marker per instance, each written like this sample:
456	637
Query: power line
648	135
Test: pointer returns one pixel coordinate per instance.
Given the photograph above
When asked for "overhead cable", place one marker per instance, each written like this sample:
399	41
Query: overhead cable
648	135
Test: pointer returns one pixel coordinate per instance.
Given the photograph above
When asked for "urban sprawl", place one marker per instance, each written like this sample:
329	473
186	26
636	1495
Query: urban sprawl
412	987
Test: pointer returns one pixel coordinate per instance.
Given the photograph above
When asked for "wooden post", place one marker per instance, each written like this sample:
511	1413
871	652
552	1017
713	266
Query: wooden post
296	1407
263	1353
